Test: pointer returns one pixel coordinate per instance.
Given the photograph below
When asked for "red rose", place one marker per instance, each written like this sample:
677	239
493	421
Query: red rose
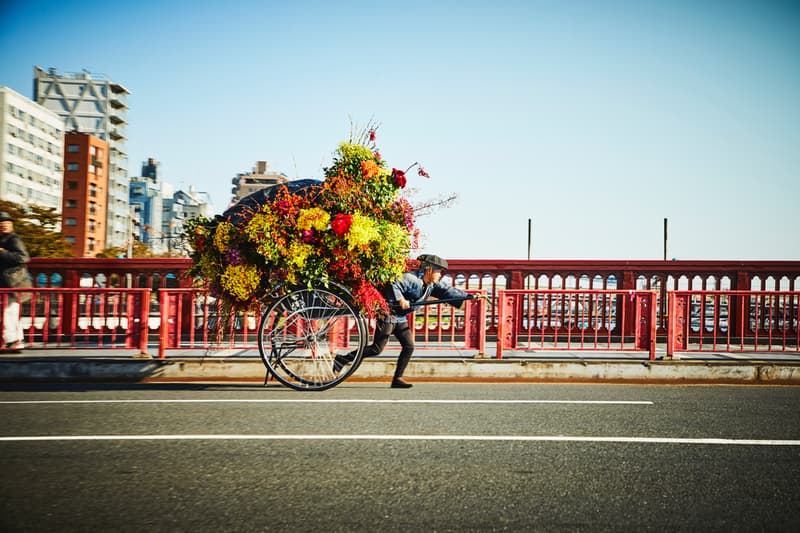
372	135
340	224
399	177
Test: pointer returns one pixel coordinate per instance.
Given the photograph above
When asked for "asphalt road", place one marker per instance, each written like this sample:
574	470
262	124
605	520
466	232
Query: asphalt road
363	457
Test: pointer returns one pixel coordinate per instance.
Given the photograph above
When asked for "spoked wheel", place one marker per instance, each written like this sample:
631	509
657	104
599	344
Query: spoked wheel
303	332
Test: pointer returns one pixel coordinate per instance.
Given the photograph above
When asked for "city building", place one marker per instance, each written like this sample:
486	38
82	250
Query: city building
145	199
261	177
83	211
32	141
179	207
93	104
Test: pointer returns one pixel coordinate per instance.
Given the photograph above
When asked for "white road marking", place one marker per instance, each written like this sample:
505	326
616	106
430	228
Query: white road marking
333	400
483	438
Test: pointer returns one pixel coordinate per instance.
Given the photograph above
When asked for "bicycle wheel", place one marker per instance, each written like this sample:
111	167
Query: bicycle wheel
301	334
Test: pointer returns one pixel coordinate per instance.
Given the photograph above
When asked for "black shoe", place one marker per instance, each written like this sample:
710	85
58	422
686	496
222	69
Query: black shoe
398	383
340	360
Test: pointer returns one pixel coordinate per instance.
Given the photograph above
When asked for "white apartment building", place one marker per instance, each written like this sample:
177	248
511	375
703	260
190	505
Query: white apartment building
32	157
91	103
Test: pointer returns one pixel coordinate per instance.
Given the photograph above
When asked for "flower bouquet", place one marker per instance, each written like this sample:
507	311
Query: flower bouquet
353	229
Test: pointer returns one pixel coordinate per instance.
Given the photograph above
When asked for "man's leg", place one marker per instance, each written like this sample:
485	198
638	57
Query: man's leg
12	328
405	335
383	330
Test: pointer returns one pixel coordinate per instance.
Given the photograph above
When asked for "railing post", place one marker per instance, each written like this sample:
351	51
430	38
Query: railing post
676	326
163	326
646	322
144	319
475	324
506	322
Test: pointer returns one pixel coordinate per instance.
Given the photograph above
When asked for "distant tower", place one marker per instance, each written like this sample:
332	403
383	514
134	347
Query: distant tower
146	202
93	104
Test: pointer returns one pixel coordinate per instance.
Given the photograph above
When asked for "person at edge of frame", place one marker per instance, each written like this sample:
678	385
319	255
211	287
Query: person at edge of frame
404	296
13	275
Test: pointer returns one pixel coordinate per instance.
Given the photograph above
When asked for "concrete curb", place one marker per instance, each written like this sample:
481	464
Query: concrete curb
32	369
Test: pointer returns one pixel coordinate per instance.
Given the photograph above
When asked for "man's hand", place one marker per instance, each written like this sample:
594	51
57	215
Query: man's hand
404	304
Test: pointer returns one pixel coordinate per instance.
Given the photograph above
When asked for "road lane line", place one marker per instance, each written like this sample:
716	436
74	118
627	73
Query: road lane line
480	438
333	400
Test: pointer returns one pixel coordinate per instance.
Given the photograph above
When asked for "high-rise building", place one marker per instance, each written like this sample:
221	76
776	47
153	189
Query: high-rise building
261	177
93	104
145	199
83	218
32	142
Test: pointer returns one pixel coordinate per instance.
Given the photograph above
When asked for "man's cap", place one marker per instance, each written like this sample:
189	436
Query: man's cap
5	216
433	260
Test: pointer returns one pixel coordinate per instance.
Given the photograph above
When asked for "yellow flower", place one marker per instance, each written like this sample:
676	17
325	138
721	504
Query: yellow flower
240	281
313	218
362	231
222	236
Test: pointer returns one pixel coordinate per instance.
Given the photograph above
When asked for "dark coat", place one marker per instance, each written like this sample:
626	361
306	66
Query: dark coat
13	258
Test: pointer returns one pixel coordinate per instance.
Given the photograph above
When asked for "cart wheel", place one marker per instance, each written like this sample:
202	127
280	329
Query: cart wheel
301	334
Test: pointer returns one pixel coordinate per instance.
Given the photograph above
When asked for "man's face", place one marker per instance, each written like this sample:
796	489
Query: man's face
6	226
432	275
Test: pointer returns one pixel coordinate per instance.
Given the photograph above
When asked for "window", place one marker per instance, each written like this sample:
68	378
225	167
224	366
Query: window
99	153
72	221
72	166
73	148
70	240
93	150
72	203
72	185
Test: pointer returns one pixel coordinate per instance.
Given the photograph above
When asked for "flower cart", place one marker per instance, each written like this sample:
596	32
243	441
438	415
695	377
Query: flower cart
310	254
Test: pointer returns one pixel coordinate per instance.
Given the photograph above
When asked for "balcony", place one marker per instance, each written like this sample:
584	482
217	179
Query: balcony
116	135
116	103
116	120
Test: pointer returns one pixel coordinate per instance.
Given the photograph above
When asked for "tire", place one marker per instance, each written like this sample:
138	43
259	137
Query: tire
302	332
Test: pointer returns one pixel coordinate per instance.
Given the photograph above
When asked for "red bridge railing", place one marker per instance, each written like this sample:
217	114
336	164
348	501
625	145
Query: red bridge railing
608	282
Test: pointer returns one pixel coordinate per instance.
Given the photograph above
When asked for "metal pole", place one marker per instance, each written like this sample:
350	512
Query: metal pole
666	240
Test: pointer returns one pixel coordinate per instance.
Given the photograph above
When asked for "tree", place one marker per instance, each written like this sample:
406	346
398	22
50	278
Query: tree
36	226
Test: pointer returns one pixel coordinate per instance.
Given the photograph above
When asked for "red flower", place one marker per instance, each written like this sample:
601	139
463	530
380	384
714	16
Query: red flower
422	172
377	155
372	136
399	177
340	225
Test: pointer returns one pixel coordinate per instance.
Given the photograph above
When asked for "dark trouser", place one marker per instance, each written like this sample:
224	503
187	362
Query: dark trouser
401	331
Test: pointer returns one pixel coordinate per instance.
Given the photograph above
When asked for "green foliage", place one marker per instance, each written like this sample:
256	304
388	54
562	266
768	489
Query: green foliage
36	227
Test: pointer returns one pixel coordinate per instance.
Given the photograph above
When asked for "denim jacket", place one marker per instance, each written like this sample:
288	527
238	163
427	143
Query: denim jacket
415	290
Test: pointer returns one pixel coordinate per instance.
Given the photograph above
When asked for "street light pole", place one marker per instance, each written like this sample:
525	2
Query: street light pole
529	239
665	239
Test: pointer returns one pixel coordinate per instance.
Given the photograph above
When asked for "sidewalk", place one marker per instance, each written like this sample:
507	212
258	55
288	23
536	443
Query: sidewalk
244	365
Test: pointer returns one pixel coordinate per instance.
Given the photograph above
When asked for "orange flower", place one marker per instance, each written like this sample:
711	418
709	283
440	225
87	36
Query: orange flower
369	168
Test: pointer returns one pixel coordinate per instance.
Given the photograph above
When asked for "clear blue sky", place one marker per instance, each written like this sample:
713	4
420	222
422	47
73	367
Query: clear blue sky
596	119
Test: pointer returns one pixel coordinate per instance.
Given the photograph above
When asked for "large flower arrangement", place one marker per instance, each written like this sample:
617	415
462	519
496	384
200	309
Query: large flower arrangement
353	229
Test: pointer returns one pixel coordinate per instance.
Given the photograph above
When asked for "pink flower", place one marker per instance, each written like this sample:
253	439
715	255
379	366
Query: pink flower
309	236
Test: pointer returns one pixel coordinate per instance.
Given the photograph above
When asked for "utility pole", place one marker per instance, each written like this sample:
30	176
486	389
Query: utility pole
666	240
